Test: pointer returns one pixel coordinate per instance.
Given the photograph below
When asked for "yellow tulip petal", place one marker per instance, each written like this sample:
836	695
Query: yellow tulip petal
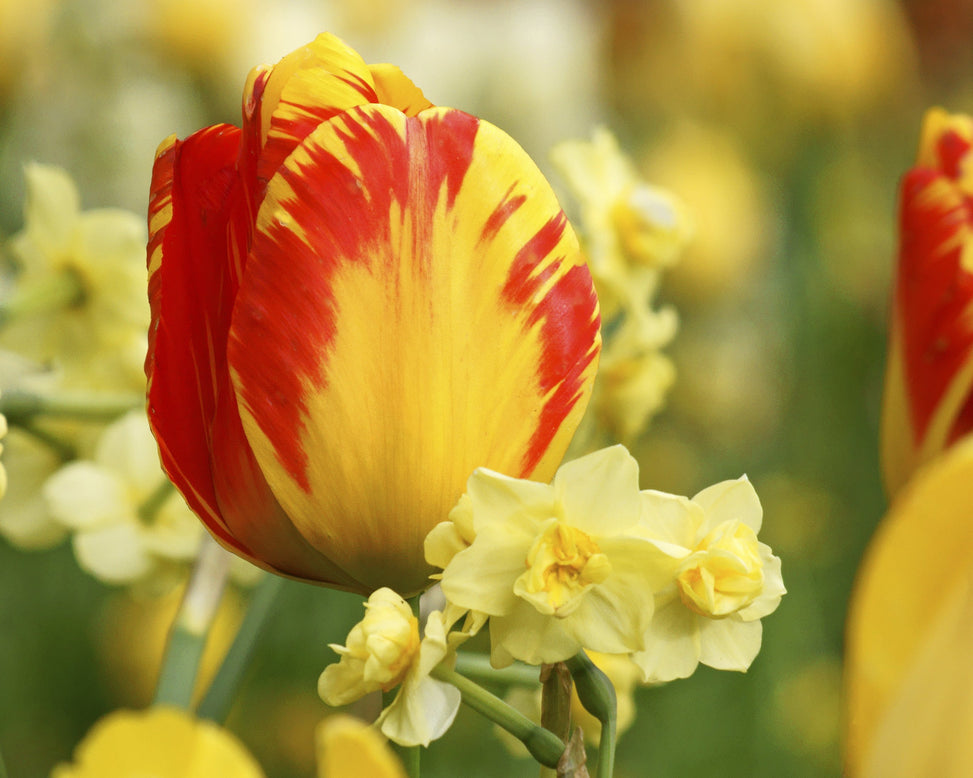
922	552
442	319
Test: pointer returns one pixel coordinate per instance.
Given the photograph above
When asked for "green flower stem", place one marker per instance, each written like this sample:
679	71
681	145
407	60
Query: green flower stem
60	448
478	667
187	638
219	697
544	746
150	505
597	695
19	406
54	292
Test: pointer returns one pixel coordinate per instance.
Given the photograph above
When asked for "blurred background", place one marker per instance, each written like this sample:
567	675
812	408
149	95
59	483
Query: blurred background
782	124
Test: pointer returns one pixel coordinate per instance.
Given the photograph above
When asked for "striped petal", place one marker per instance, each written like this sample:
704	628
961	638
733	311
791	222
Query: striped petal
414	306
284	103
194	256
929	376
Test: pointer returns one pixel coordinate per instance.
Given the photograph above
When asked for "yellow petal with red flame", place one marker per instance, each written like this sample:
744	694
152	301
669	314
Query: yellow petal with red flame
415	306
928	402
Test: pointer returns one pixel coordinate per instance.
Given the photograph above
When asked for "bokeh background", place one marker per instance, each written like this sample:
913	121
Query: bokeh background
783	125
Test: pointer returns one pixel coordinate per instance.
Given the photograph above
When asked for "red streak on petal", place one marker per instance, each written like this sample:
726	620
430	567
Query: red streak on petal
569	327
507	208
951	150
933	294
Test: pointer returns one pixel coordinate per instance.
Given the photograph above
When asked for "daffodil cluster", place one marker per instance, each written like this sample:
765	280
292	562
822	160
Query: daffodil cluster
631	232
591	562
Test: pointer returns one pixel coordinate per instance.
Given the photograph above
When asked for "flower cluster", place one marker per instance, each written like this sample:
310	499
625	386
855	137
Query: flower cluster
631	232
590	562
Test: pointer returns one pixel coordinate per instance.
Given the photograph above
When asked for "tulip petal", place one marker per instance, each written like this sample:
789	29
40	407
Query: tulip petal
928	403
285	103
193	270
921	555
437	316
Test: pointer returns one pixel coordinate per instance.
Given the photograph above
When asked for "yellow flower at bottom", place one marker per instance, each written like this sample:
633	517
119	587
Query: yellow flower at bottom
725	581
161	743
383	651
349	748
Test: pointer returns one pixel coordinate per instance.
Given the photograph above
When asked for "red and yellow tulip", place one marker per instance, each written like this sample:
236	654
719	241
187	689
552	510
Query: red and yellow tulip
357	299
928	402
908	678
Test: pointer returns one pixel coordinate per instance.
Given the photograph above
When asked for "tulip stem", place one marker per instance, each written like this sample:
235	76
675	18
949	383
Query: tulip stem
20	406
596	693
219	697
544	746
479	668
187	638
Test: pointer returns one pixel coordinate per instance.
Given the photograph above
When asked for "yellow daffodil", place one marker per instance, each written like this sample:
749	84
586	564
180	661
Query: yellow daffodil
25	520
349	748
385	650
557	567
724	581
90	263
125	525
159	742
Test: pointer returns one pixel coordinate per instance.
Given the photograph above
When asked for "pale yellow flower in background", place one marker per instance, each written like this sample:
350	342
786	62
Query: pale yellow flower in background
631	231
385	650
626	224
25	520
159	742
349	748
97	336
725	581
126	526
3	472
557	567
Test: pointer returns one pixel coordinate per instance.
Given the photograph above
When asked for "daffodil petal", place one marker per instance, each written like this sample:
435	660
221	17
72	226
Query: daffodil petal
729	644
599	492
114	553
672	650
442	295
83	495
773	588
480	576
495	497
530	636
421	712
670	519
730	501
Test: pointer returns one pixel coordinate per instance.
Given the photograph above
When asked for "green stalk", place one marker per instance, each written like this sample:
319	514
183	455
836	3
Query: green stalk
597	695
219	697
478	667
544	746
19	406
187	638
